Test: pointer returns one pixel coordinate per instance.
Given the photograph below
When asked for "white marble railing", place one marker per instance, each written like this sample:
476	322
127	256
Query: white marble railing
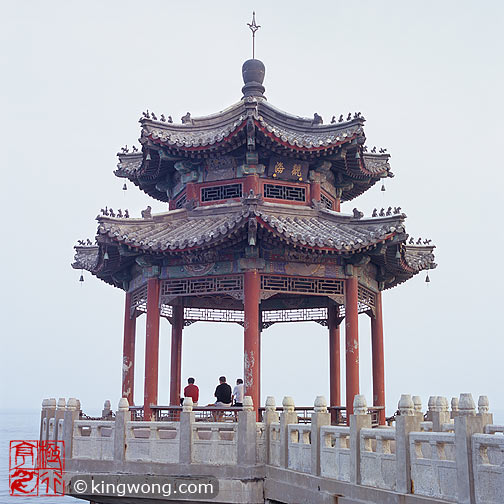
466	465
433	466
299	447
93	439
214	443
153	441
377	458
260	443
274	445
335	452
488	464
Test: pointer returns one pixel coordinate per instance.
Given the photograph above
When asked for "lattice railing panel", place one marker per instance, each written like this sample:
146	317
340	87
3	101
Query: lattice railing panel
306	285
300	315
166	311
326	202
214	315
285	192
366	297
139	300
205	285
181	201
221	192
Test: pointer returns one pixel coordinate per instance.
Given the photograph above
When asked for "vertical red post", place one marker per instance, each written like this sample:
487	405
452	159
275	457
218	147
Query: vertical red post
334	357
176	355
251	357
378	358
192	193
337	205
128	370
315	191
251	182
352	342
151	347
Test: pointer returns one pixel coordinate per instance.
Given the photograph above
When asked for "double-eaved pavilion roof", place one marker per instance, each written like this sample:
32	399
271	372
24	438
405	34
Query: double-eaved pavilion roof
315	230
255	133
254	122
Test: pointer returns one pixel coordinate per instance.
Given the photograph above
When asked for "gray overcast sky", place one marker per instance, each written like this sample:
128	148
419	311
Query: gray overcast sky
427	76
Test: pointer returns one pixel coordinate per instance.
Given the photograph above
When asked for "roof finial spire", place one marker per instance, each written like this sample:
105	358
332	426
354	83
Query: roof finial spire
253	28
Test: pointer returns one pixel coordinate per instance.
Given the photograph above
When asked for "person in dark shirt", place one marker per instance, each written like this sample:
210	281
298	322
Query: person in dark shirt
223	393
192	391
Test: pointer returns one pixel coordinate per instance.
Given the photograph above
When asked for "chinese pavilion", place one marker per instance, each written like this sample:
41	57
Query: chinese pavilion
254	235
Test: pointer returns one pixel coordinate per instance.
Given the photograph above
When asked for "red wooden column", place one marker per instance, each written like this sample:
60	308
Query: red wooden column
176	355
334	357
378	358
151	347
315	191
251	182
128	370
251	347
352	342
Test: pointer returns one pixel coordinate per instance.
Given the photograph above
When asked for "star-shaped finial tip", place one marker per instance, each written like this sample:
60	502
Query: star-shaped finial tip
253	28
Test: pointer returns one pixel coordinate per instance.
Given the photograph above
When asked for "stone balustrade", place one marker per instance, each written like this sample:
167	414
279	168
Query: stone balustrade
299	447
335	452
378	458
153	442
455	456
93	439
433	464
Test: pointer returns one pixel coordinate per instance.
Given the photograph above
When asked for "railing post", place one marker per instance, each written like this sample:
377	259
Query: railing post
484	411
71	414
408	421
466	424
417	402
288	416
48	412
454	407
247	433
59	415
439	414
107	409
358	420
123	415
320	417
186	431
270	416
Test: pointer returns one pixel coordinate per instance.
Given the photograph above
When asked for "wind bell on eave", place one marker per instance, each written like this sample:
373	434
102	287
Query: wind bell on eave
427	279
81	279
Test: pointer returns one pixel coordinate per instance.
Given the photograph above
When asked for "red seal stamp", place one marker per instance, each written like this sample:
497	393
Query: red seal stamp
36	468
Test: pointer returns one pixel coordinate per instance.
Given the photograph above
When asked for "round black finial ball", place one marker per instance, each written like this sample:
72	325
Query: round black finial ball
253	71
253	75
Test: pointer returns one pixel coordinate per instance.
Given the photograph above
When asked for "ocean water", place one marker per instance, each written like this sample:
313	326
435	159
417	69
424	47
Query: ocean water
21	425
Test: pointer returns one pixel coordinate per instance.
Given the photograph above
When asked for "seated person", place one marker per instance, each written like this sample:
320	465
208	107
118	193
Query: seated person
223	393
238	393
192	391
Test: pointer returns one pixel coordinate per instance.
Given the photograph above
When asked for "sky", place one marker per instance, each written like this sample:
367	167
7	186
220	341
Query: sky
76	76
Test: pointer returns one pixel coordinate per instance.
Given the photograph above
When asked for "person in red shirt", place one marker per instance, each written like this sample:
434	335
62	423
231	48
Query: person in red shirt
192	391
